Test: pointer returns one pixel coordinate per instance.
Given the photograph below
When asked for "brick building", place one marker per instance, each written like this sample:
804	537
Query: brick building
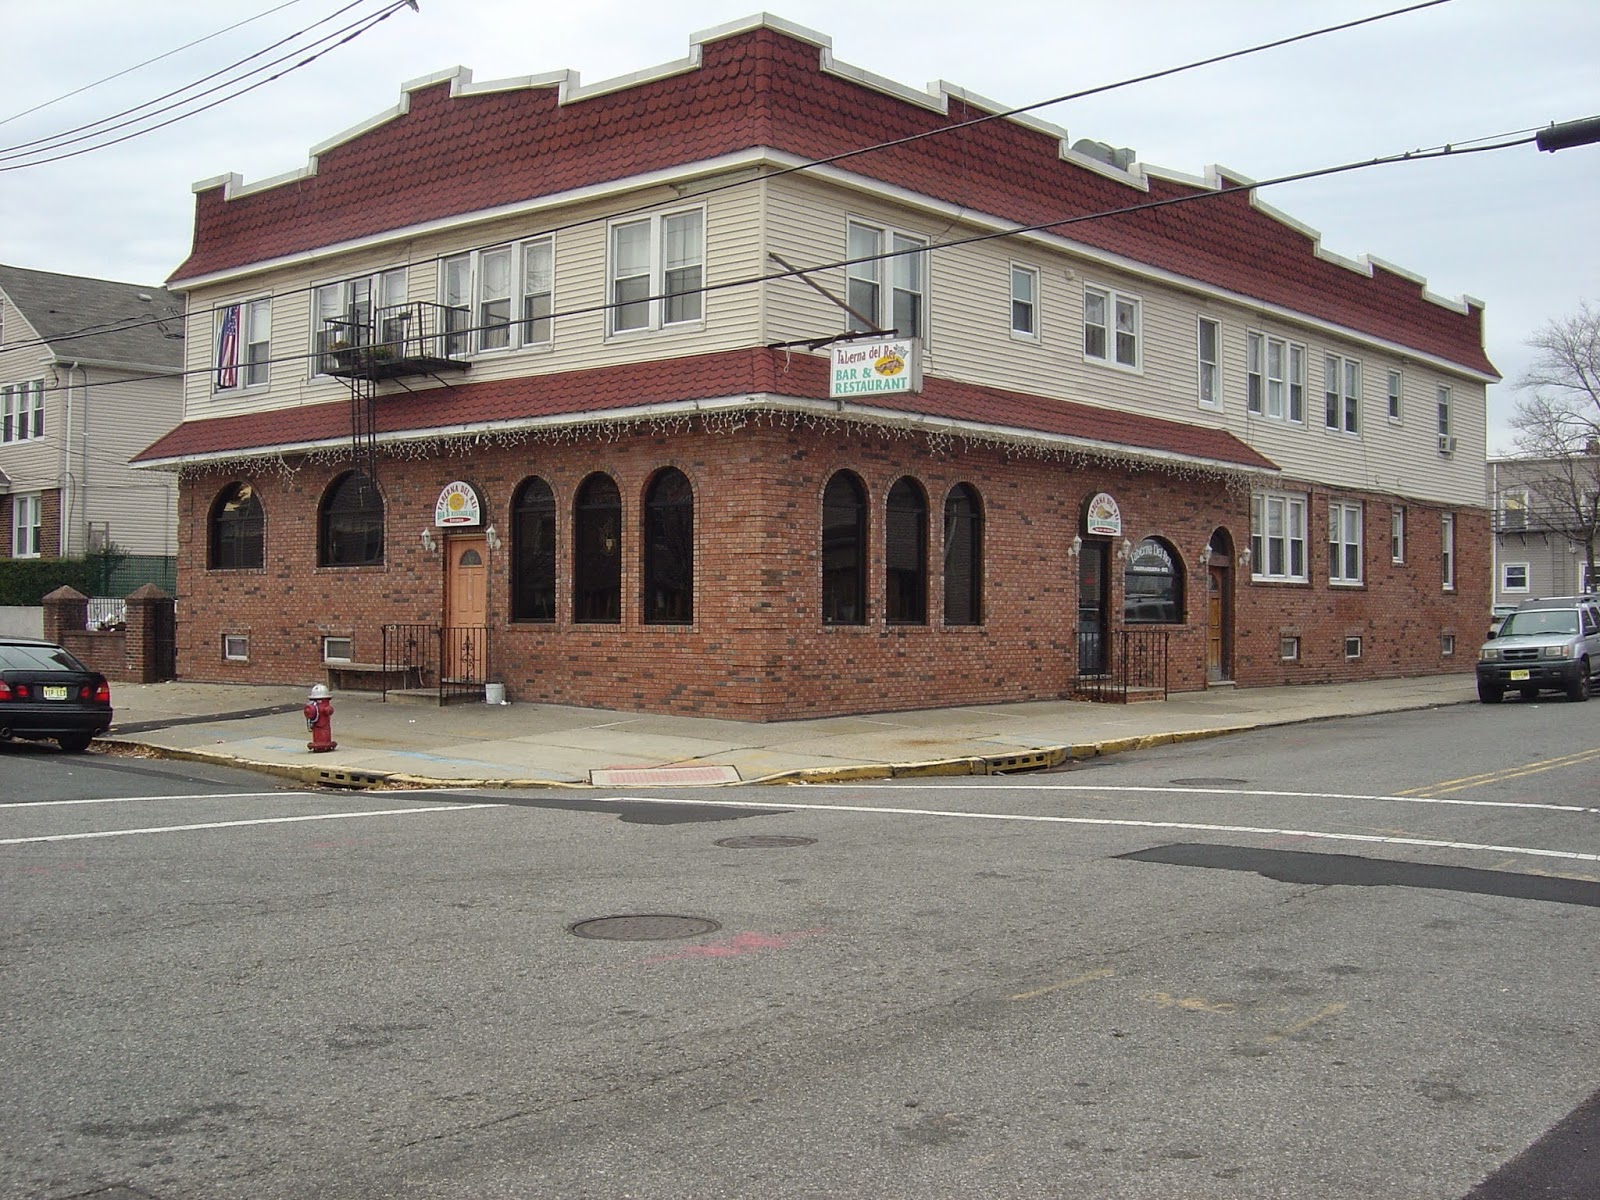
558	379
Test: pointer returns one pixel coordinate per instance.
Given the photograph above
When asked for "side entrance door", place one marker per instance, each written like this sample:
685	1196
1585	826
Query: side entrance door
1216	624
466	609
1093	592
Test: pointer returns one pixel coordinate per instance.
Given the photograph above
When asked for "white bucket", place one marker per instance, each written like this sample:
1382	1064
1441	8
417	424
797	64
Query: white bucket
494	693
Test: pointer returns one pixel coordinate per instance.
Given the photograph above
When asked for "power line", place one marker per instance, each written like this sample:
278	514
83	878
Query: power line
1473	146
650	206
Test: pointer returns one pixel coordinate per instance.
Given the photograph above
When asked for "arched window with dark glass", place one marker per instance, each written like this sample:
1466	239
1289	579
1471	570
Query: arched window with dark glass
350	523
597	552
963	557
669	549
905	555
533	552
1153	585
844	551
237	527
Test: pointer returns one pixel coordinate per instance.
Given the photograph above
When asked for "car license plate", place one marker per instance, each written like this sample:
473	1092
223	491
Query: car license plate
55	692
1516	675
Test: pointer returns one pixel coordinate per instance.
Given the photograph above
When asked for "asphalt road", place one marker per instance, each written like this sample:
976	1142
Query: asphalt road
1353	959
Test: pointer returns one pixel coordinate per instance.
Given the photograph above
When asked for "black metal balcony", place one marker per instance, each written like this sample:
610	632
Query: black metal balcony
415	338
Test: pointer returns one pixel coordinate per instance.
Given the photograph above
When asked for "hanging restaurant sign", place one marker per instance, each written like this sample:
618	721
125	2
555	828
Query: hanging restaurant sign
872	368
1102	516
457	505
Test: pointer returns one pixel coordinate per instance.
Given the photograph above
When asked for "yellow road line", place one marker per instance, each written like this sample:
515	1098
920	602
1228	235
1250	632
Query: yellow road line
1533	768
1322	1014
1075	981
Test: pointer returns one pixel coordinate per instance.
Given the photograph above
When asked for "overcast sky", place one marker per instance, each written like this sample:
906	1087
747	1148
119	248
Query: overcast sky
1515	228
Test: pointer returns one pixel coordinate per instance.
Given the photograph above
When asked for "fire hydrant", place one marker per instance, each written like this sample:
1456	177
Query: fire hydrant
319	720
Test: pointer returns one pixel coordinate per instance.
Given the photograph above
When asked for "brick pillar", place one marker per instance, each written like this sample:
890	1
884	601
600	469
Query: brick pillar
66	611
150	622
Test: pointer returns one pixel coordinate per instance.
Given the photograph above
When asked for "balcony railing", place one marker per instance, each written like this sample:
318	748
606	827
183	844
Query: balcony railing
1543	519
415	338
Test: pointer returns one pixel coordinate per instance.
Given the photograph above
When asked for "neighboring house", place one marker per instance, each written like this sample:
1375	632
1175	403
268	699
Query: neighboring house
543	368
1546	519
90	372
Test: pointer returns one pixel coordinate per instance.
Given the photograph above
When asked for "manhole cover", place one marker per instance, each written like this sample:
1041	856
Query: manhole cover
1208	781
644	927
764	841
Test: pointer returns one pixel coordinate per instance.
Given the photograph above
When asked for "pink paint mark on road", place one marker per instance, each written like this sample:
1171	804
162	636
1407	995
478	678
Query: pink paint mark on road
739	945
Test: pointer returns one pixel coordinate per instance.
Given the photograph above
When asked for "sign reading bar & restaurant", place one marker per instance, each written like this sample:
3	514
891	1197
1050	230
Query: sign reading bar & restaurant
873	368
457	505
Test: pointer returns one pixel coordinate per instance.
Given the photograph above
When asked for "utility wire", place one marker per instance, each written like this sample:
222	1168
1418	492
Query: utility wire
43	104
1447	151
349	32
655	204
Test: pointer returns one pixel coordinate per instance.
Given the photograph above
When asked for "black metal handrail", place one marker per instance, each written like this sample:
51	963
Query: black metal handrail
1124	661
450	659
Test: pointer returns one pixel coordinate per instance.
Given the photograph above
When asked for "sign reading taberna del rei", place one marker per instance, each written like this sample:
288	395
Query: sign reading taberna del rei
457	505
874	367
1102	516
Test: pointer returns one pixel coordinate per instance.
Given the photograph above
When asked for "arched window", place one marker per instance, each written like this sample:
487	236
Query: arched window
905	555
963	557
350	523
669	549
844	551
1153	585
597	552
237	525
533	552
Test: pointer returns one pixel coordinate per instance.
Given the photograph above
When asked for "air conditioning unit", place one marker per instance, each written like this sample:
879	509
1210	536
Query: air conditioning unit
1447	444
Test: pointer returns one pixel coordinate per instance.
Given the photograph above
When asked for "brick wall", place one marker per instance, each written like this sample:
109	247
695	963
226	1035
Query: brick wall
757	648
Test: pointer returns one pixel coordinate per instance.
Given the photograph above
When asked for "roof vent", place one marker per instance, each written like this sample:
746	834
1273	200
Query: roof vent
1120	157
145	296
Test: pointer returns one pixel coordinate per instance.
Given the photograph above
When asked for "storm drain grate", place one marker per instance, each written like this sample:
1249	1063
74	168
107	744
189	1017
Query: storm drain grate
349	779
1036	760
644	927
765	841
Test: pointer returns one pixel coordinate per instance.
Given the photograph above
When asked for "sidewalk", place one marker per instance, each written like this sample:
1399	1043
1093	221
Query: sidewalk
543	745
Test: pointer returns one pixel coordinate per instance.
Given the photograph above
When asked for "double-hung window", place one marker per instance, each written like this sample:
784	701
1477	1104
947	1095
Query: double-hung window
1444	412
1208	347
1394	396
1447	550
27	523
22	411
1025	303
886	280
1397	534
1344	543
1278	536
1111	327
1275	378
243	344
1341	385
364	311
1514	577
657	271
499	298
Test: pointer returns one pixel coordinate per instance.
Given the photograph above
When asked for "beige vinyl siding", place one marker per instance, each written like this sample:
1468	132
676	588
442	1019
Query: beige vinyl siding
126	413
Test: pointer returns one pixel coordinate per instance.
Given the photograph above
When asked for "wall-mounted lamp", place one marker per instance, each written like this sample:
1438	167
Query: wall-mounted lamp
1124	550
1203	559
1244	559
492	537
1076	548
428	544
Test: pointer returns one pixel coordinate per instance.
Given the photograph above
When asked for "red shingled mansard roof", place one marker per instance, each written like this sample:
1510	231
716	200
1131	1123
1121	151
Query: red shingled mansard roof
700	377
448	156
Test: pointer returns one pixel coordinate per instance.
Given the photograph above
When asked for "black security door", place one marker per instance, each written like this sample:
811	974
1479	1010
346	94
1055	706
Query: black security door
1093	591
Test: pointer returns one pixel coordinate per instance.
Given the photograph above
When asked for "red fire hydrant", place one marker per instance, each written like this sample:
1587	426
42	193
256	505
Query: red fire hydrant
319	720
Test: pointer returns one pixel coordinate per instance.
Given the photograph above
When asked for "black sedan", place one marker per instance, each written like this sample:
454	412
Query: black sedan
47	693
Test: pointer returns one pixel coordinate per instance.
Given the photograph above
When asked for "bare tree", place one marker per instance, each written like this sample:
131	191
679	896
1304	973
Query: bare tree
1557	423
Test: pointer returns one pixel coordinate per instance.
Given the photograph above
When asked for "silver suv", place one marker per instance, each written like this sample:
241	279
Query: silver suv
1552	644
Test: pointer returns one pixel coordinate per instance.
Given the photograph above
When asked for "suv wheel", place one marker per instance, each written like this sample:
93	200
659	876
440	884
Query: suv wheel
1488	693
1578	689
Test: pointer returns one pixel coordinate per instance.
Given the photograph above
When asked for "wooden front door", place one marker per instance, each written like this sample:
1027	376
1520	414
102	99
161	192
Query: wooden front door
1216	623
466	608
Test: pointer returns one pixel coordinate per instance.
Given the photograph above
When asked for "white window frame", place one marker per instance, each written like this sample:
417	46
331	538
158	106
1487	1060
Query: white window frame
22	411
1120	343
1352	646
1396	396
1208	362
333	643
27	524
1344	543
1447	550
1397	534
1278	557
519	278
1447	644
903	304
667	282
1275	378
1341	394
1289	647
253	352
1443	401
1024	303
236	647
358	299
1505	578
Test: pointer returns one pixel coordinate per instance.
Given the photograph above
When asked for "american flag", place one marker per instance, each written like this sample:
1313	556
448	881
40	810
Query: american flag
228	348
